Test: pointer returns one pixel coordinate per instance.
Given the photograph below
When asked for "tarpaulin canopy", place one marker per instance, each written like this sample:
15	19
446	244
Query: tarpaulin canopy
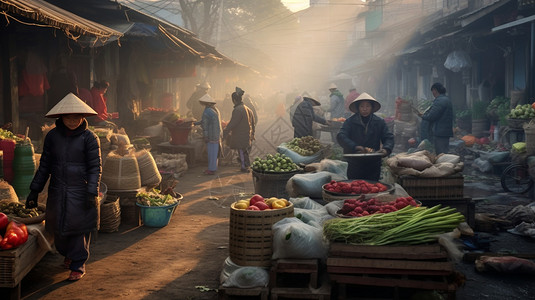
41	11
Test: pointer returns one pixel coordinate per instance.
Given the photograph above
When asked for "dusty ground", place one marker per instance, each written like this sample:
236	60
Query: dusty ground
184	259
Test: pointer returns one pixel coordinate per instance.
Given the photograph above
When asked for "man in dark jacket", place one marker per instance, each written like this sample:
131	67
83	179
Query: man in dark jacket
364	132
71	158
440	118
240	130
304	116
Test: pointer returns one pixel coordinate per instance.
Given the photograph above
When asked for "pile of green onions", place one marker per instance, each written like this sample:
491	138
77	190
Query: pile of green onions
410	225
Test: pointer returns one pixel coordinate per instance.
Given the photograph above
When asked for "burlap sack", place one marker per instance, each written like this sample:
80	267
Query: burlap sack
148	170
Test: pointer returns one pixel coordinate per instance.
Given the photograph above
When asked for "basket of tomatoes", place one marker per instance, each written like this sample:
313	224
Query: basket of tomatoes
340	190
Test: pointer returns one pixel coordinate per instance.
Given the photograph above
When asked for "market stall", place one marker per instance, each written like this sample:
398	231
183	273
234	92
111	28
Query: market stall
322	230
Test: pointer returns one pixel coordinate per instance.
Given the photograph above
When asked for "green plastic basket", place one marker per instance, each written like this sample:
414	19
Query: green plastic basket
156	216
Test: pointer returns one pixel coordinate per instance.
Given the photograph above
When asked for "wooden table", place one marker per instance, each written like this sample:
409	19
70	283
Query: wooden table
16	263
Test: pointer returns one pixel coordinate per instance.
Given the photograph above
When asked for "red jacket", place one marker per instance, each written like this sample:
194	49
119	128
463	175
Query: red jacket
99	105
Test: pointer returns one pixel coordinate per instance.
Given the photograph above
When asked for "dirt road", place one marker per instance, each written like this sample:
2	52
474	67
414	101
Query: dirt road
155	263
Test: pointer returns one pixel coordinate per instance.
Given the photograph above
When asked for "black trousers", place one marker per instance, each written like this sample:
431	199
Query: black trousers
74	247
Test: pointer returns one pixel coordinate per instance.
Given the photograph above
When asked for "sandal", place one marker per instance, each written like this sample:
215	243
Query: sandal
67	263
75	275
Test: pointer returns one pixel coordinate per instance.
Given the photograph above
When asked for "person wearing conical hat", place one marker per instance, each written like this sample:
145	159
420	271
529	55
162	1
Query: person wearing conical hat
193	103
211	128
365	132
71	159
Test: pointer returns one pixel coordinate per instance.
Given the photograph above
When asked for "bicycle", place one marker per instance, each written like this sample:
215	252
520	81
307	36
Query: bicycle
516	179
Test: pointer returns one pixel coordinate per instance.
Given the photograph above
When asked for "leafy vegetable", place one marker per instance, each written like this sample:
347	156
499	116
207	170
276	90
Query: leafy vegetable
154	198
409	225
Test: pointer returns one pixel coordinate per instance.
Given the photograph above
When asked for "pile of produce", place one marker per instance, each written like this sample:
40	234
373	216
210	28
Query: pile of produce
497	106
355	187
257	202
526	111
8	135
304	146
341	119
361	207
409	225
274	163
19	210
153	197
177	120
12	234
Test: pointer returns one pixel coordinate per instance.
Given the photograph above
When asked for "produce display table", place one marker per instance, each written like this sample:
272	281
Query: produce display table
189	150
16	263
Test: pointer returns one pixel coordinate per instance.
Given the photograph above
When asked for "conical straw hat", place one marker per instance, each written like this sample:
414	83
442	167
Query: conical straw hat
364	96
207	99
70	104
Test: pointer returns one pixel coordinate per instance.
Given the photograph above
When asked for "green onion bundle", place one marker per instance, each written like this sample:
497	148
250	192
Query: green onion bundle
410	225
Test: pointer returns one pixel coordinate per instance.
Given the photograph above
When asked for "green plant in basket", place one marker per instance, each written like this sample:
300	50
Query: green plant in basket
495	106
274	163
479	110
464	114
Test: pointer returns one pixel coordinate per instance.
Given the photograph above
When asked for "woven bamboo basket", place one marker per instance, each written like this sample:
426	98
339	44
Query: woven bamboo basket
250	236
516	123
110	214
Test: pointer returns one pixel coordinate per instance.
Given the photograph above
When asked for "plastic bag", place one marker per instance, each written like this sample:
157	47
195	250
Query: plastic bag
294	239
297	158
309	184
305	202
457	60
248	277
482	165
336	167
313	217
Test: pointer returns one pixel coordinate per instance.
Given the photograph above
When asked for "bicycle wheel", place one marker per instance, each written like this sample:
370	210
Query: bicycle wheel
516	179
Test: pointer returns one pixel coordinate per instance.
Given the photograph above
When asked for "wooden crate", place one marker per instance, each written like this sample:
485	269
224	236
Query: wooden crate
413	267
298	279
16	263
433	188
284	270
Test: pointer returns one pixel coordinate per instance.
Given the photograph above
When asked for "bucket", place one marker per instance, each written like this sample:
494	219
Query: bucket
480	127
529	131
179	133
23	169
250	235
156	216
272	184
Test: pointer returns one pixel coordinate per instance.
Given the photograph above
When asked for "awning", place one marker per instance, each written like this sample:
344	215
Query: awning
41	11
514	23
475	15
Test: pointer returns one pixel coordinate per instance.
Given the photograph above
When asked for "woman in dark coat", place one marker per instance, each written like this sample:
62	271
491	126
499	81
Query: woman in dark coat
240	130
304	116
71	158
365	130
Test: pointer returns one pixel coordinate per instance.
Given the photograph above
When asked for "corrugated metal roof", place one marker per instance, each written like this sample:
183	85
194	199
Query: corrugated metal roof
53	16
